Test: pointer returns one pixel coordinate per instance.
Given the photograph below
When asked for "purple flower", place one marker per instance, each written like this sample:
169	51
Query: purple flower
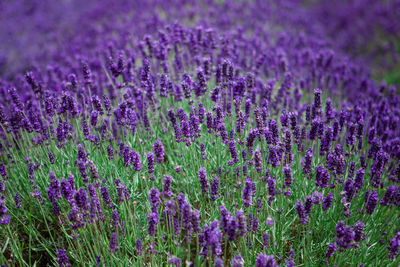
203	180
233	151
237	261
241	222
248	192
273	127
62	258
317	100
167	193
150	162
195	220
358	231
53	191
203	151
331	249
394	246
218	262
348	188
105	195
327	202
359	180
110	152
274	156
153	221
115	217
288	176
271	186
174	261
139	246
371	202
137	165
17	199
389	194
93	118
3	171
322	177
51	158
154	198
81	199
122	191
257	161
158	150
211	239
265	241
264	260
344	235
307	161
308	204
214	188
68	188
113	243
269	221
4	217
301	212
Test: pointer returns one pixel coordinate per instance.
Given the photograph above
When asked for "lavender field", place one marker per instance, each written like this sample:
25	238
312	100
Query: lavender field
200	133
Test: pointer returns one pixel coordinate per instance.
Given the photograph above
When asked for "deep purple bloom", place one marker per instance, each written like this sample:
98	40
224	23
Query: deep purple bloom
158	150
150	162
167	193
113	243
248	192
203	180
139	246
115	217
301	212
359	180
271	186
214	188
331	249
154	198
110	152
265	241
344	235
371	202
51	158
62	258
288	176
327	202
81	199
105	195
3	171
394	246
17	199
153	221
123	193
233	151
307	161
358	231
257	161
322	177
389	194
53	191
308	204
264	260
4	217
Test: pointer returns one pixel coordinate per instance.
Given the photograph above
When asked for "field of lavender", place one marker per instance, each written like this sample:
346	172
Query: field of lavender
199	133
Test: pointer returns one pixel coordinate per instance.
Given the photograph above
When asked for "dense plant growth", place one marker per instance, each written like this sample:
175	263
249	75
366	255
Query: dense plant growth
215	133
